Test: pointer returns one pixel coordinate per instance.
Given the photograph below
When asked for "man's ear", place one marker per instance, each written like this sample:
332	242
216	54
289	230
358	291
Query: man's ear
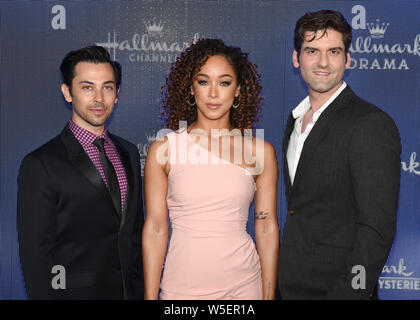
66	93
295	59
116	97
348	60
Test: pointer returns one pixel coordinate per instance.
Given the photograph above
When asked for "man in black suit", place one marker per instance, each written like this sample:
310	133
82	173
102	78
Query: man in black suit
342	174
80	212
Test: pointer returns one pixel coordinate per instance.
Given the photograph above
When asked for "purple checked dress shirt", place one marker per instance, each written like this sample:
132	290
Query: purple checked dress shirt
86	139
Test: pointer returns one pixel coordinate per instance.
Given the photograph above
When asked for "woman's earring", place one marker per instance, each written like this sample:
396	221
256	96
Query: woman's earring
189	100
235	103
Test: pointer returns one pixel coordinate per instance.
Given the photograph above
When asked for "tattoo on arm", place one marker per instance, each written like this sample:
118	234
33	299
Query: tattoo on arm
261	215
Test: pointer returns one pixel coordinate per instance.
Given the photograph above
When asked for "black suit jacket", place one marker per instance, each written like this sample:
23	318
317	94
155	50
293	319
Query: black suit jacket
66	217
343	202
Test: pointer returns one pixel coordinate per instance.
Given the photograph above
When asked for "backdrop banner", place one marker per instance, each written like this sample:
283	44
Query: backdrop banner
147	36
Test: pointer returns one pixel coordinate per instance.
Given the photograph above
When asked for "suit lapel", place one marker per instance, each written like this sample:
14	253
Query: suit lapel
82	162
320	129
125	159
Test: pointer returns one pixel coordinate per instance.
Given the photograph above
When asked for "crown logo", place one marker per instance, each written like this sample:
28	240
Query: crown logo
153	28
151	137
377	30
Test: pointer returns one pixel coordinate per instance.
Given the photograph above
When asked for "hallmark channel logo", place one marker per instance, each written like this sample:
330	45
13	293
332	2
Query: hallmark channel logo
154	29
149	46
372	41
397	277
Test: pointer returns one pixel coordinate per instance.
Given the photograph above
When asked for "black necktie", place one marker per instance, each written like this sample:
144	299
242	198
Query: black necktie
110	175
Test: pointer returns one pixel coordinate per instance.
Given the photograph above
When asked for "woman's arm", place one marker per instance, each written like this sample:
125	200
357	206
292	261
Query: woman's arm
155	230
266	225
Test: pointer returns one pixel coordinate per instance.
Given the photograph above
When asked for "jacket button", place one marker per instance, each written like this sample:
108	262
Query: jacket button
291	211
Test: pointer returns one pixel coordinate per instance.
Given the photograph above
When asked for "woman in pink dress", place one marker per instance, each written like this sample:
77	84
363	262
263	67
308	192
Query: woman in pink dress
203	176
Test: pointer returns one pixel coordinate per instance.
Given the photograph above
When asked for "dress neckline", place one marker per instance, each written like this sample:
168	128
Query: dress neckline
247	173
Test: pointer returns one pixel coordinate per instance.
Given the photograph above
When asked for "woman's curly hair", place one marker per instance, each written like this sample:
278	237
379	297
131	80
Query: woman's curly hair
175	93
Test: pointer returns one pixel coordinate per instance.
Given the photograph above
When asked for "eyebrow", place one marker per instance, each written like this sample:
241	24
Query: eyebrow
334	48
337	48
90	82
221	76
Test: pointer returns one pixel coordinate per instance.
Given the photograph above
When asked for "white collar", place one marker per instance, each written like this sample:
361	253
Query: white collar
305	105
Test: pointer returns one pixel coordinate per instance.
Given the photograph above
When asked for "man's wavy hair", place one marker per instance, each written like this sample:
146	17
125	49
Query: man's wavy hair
92	54
175	93
321	21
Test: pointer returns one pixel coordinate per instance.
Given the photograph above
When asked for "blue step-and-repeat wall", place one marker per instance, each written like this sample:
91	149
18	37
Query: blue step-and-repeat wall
146	36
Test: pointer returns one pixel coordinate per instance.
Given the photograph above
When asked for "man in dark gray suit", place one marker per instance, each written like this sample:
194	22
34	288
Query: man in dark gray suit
342	173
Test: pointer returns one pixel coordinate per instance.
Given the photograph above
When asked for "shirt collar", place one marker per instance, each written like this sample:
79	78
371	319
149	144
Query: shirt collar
84	136
305	105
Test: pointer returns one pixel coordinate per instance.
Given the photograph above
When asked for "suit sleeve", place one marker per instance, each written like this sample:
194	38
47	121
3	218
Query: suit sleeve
36	227
137	266
374	161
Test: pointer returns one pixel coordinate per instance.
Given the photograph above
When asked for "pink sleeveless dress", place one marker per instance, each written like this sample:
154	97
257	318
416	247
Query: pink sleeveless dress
210	254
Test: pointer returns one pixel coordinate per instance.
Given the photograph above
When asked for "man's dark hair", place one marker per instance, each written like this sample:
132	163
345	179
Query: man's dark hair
320	21
94	54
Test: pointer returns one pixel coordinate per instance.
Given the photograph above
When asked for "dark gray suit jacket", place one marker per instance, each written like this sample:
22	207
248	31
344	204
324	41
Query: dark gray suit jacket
66	217
343	203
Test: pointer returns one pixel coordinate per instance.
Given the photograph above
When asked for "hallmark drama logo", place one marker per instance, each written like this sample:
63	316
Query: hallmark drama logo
371	41
150	46
397	277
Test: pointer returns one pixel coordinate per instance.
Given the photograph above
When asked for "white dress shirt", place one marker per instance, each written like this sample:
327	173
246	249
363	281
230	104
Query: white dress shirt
297	138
